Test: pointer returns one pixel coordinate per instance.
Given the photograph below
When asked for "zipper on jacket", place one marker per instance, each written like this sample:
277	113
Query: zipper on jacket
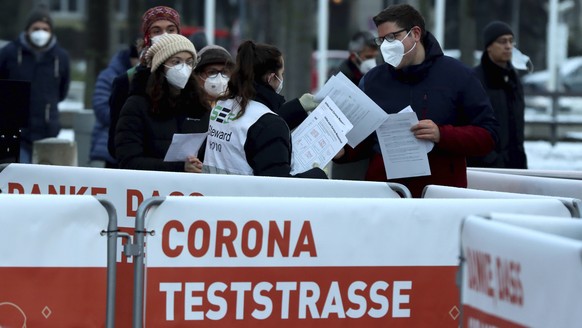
56	67
424	106
47	113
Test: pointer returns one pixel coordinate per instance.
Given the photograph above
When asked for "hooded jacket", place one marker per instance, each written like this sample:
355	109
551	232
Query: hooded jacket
48	70
445	91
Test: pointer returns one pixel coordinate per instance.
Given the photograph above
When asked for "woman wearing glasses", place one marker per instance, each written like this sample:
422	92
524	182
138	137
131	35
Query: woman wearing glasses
166	99
213	71
245	136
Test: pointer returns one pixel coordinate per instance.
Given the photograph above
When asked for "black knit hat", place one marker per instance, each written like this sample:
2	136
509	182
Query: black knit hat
494	30
39	14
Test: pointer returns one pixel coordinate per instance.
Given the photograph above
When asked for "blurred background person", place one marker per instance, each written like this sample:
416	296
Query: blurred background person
246	137
213	71
37	57
363	54
164	100
156	21
505	91
119	64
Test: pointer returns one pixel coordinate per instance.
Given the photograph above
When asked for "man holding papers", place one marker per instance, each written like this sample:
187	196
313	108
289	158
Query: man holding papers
452	108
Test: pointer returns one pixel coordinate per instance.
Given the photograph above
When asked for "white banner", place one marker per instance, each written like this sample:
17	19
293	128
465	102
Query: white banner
53	261
240	261
514	277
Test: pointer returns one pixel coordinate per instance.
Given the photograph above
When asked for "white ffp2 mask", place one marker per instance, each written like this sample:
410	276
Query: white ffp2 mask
178	75
392	52
40	38
215	86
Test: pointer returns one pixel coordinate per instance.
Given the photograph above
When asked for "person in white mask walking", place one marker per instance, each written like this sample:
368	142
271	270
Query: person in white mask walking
451	105
165	99
37	57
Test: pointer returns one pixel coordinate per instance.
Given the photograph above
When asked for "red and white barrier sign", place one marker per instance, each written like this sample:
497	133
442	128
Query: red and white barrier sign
53	261
126	189
517	277
285	262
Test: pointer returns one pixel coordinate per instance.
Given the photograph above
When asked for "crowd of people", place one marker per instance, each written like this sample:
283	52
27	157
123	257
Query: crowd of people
165	85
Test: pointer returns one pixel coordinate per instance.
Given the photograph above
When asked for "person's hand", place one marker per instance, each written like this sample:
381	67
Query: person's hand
193	165
427	130
308	103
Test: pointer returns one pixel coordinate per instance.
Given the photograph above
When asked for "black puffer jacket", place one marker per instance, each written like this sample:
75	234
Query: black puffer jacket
142	137
505	91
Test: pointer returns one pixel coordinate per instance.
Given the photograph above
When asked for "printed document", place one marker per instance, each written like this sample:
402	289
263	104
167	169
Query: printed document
404	155
184	145
319	138
365	115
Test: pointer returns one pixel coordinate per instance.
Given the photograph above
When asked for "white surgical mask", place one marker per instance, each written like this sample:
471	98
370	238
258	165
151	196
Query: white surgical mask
367	65
40	38
157	38
392	52
519	60
178	75
215	86
280	87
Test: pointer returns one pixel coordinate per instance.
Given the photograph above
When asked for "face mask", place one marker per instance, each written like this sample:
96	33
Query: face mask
519	60
40	38
280	87
215	86
155	39
178	75
367	65
392	52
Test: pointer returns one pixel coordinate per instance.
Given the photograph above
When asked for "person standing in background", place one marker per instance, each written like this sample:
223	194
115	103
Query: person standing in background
37	57
505	91
213	71
119	64
363	54
156	22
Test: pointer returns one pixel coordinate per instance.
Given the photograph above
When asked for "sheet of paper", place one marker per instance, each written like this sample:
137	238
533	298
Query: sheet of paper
365	115
319	137
184	145
404	155
427	143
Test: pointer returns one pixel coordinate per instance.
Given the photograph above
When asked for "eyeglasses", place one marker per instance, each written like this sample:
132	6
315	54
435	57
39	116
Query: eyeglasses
390	37
177	61
212	73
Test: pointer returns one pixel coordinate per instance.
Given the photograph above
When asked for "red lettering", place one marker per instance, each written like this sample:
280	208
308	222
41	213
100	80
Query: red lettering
14	187
275	237
246	249
196	194
166	248
131	211
52	190
305	242
176	193
225	239
81	191
155	193
205	244
98	191
35	189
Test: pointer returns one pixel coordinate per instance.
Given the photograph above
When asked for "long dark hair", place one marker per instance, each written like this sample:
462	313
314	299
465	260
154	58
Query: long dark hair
190	101
253	62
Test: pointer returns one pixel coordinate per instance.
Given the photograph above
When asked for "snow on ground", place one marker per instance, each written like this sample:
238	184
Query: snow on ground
541	155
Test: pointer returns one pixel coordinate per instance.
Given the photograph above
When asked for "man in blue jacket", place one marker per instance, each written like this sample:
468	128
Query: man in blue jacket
36	57
452	108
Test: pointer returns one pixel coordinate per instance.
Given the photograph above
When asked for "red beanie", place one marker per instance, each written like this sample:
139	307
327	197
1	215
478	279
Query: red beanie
158	13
